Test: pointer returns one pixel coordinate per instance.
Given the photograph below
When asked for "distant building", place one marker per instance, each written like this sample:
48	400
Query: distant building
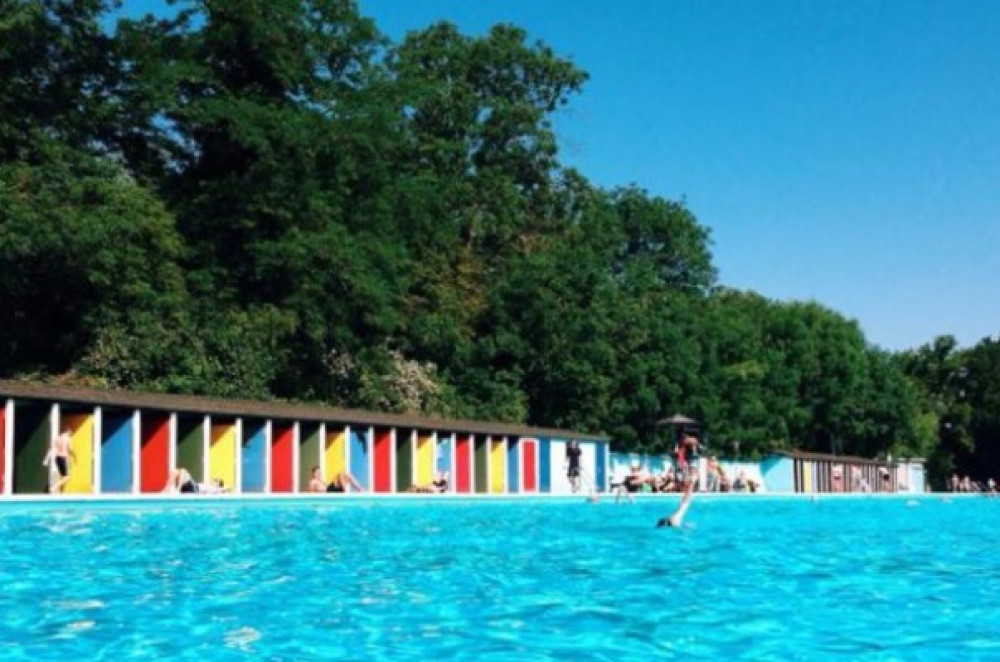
798	471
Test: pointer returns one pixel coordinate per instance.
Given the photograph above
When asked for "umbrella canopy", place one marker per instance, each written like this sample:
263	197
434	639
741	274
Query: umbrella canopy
677	419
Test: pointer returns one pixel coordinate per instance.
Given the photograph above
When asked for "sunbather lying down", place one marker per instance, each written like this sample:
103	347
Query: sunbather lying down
340	483
181	482
436	486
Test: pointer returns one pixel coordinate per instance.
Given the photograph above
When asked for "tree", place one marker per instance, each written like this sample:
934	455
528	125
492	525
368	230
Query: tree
57	80
83	249
937	371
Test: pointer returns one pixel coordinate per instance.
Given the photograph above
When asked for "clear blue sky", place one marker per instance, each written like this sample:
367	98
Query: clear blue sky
842	151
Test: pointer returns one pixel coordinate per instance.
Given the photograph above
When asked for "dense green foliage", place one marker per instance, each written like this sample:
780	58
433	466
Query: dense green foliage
269	198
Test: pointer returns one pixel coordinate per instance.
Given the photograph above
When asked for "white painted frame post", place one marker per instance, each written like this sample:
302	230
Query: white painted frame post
55	416
370	444
296	432
392	460
489	464
136	451
437	453
54	420
538	467
506	464
268	438
435	461
172	442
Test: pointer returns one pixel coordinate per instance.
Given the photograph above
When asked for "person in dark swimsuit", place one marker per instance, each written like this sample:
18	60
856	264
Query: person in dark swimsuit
437	486
630	484
180	480
58	457
338	485
341	482
573	454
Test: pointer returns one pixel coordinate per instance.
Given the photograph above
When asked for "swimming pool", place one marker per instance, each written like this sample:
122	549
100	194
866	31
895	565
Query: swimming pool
767	579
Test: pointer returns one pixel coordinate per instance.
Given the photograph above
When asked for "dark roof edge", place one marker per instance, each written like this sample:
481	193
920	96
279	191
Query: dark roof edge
826	457
272	409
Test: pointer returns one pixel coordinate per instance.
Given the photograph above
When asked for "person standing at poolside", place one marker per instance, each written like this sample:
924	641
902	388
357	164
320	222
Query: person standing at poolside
713	475
686	450
58	458
573	453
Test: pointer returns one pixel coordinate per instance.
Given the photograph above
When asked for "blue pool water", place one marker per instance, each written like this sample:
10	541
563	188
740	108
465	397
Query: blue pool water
765	579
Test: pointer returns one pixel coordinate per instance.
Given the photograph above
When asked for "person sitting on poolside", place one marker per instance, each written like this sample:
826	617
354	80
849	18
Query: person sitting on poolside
342	481
665	482
180	481
724	483
214	486
337	485
440	482
437	486
632	482
316	483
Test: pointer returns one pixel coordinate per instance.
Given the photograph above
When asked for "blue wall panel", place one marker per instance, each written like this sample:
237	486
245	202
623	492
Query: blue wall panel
360	461
116	453
544	466
513	464
443	462
779	473
602	456
254	444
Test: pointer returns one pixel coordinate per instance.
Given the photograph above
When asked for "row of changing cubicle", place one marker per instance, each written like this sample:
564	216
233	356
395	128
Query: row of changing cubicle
128	443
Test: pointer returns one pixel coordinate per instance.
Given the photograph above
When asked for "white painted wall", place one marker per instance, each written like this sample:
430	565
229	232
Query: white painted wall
588	464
